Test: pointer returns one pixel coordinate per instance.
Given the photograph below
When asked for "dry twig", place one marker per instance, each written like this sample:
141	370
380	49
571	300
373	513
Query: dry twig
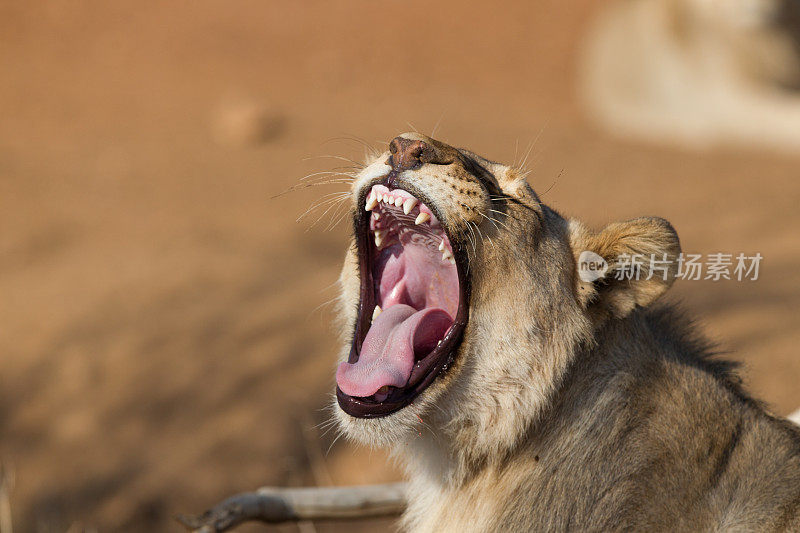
274	505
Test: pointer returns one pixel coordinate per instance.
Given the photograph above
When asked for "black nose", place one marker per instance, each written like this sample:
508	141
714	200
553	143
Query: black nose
407	153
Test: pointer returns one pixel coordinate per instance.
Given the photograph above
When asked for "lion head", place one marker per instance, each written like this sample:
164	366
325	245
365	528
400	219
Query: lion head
462	299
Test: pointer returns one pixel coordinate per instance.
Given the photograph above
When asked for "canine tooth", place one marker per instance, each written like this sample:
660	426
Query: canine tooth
422	217
376	215
441	246
379	235
446	255
376	312
398	202
409	204
372	201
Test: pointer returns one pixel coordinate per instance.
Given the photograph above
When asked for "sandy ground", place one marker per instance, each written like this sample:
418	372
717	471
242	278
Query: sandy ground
161	339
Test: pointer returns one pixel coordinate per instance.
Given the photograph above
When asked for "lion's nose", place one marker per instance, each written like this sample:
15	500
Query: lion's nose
410	151
407	153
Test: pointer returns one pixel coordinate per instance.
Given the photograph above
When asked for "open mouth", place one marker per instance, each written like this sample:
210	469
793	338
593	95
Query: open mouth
413	305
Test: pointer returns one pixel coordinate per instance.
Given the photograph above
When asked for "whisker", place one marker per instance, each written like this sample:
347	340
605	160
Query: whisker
436	126
495	220
555	181
312	183
333	194
374	152
471	236
337	217
328	422
324	180
344	214
324	200
334	203
503	213
487	236
475	239
527	153
327	430
531	147
350	138
321	175
323	172
358	165
481	235
338	436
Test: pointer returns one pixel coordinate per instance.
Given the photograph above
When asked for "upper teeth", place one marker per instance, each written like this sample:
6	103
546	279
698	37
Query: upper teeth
384	234
374	198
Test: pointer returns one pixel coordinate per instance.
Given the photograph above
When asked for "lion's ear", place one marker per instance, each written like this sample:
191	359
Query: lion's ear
626	264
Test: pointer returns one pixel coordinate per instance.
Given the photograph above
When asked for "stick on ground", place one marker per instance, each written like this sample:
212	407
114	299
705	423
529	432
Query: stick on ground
275	505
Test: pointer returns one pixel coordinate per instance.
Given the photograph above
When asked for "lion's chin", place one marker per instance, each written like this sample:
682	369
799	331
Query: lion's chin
400	427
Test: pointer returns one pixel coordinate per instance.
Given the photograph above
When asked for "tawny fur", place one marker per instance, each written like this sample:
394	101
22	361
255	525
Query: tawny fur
572	405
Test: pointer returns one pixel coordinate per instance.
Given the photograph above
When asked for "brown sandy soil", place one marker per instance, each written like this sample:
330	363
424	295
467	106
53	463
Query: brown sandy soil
161	345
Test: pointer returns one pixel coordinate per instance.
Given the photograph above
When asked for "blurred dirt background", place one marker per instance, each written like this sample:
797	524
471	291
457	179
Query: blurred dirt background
161	335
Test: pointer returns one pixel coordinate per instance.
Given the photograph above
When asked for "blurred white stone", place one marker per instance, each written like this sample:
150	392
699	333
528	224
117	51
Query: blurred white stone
696	72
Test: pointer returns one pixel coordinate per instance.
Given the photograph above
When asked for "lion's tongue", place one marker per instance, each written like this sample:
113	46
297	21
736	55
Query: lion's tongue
388	352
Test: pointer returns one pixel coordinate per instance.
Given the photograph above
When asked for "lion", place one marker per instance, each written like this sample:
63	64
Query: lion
521	395
697	73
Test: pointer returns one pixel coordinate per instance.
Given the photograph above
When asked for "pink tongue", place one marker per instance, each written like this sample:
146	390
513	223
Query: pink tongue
387	355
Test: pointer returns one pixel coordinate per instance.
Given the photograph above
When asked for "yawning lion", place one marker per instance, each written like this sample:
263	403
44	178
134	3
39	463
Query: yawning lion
522	396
